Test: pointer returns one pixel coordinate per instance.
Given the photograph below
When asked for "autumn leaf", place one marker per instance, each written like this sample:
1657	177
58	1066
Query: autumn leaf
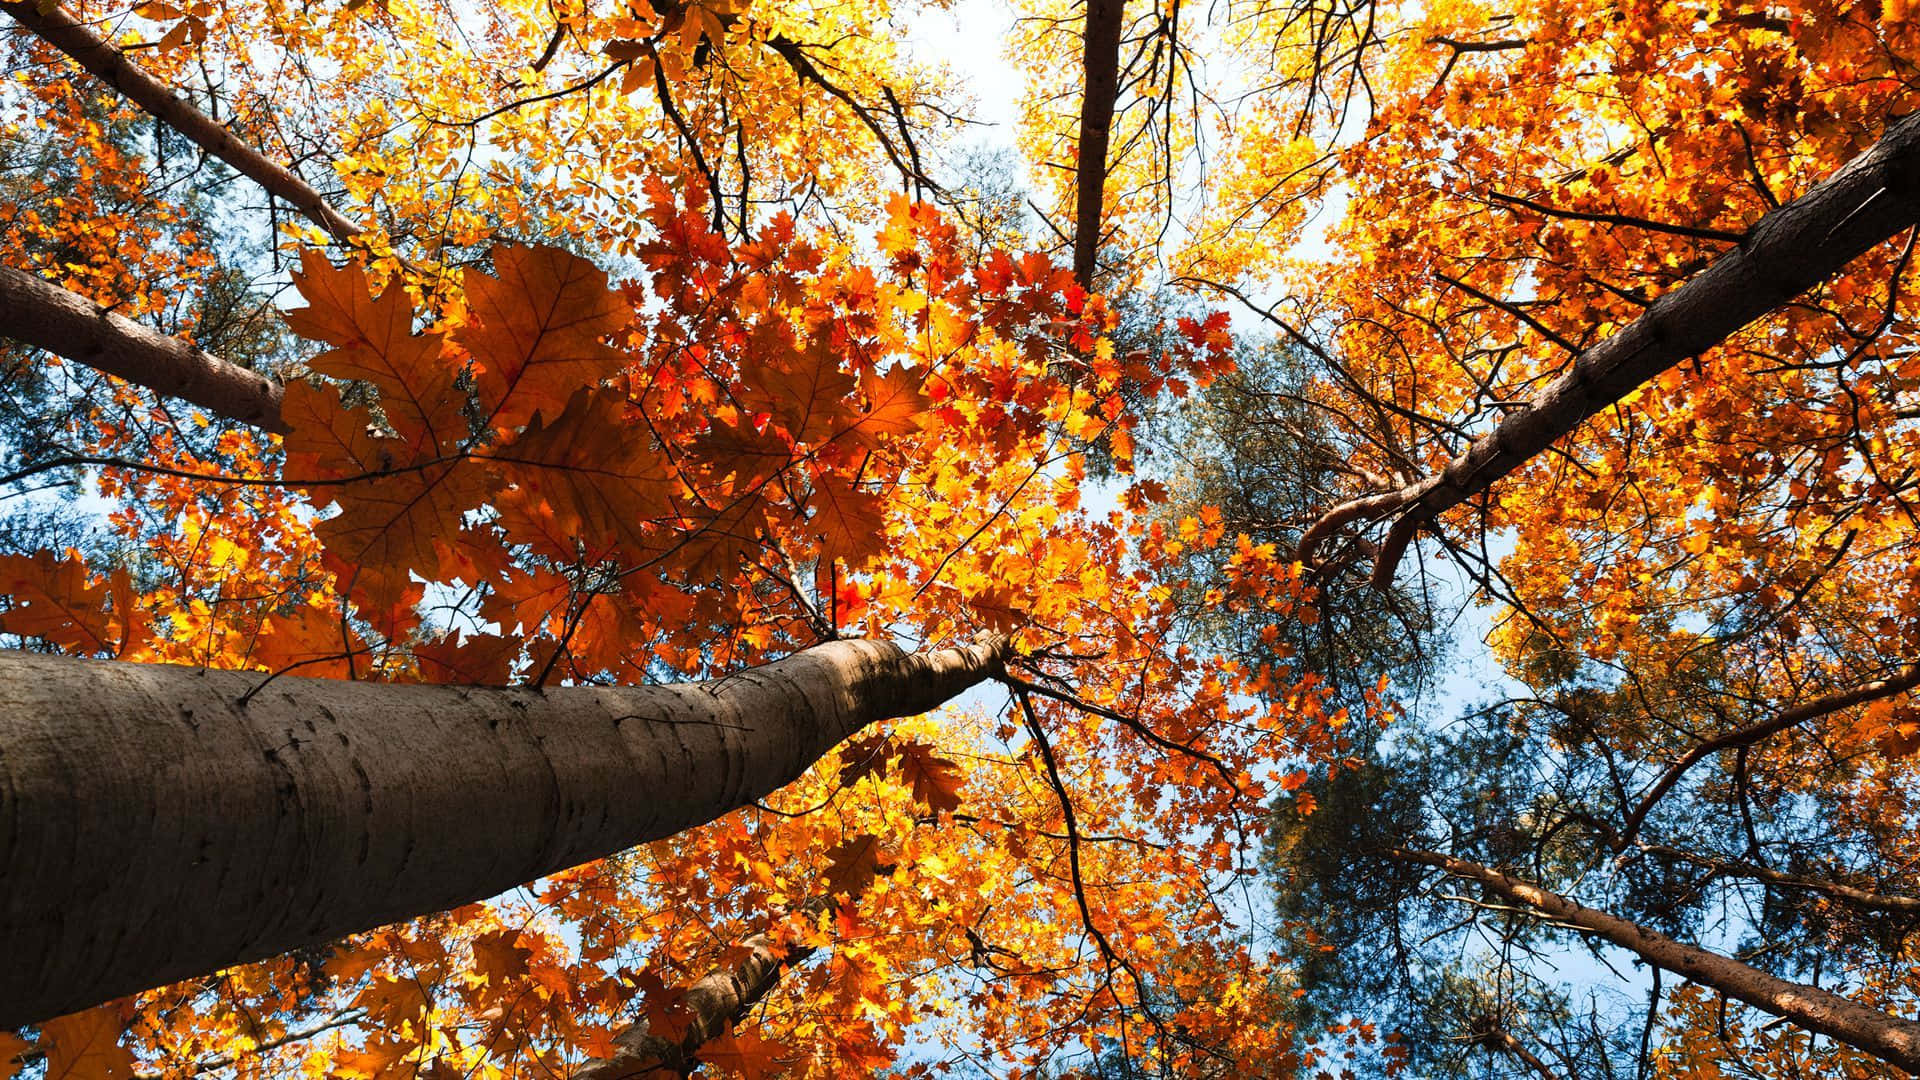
863	756
12	1049
751	1055
372	339
586	477
936	780
895	406
805	389
538	331
57	599
848	520
498	957
86	1046
470	659
851	864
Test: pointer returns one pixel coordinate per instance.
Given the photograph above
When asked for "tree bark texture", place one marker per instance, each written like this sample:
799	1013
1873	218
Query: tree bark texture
66	324
1788	251
1889	1038
162	822
1101	59
107	63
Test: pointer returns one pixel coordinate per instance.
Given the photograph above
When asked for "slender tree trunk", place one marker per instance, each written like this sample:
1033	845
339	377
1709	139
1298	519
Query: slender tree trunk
69	325
111	66
1504	1041
1788	251
1889	1038
161	822
721	998
1101	61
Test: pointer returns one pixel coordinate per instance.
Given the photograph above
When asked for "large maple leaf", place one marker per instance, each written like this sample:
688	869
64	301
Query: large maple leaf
751	1055
587	474
86	1046
372	340
58	600
538	331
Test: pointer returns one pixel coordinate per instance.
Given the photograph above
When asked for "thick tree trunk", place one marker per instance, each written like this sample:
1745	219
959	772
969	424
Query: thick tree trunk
1788	251
1101	62
161	822
110	65
69	325
1868	1030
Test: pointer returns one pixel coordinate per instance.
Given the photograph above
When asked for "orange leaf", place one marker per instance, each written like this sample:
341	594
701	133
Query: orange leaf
936	780
751	1055
86	1045
373	340
498	958
61	602
852	864
539	331
12	1049
848	520
586	476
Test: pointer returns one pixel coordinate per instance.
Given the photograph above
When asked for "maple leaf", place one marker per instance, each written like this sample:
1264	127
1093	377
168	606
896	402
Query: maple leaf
471	659
388	525
852	863
863	756
895	406
373	341
586	476
742	452
663	1006
849	520
13	1049
538	331
936	780
86	1046
326	439
805	390
498	958
59	601
751	1055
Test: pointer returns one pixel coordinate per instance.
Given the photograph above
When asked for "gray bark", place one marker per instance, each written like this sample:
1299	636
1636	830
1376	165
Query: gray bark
69	325
107	63
1788	251
154	826
1889	1038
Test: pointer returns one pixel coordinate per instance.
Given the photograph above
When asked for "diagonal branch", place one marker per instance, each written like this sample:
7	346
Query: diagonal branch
1851	895
711	1004
111	66
1753	733
1889	1038
45	316
1788	251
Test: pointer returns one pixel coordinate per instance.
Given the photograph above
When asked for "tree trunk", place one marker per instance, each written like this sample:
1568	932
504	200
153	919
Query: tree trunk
1788	251
1101	61
161	822
1868	1030
111	66
69	325
710	1005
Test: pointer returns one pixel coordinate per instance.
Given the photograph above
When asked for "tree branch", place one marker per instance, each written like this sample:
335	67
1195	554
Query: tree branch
1787	252
1868	1030
107	63
45	316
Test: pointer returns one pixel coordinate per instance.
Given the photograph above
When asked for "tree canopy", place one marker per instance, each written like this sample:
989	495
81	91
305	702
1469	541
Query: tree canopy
631	538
